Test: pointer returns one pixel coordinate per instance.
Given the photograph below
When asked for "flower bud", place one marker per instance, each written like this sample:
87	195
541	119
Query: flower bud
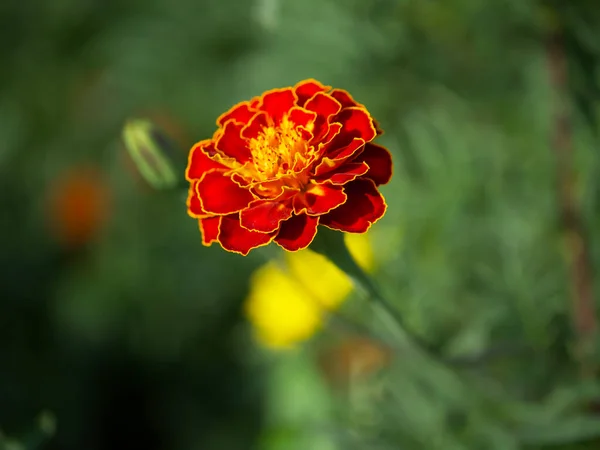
153	153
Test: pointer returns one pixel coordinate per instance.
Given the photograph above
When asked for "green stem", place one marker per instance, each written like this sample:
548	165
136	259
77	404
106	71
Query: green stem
331	244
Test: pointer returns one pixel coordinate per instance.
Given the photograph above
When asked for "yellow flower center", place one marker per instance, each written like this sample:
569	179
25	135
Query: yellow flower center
278	152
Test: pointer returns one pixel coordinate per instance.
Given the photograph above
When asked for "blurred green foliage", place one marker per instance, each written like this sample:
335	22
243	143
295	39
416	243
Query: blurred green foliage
133	337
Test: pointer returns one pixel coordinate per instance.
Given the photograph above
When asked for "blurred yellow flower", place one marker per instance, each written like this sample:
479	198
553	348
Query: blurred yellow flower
287	302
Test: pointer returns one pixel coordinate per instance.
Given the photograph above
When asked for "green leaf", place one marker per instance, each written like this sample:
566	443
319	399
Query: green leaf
565	431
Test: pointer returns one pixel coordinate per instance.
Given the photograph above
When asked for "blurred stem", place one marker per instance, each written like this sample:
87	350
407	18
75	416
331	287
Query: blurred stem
331	244
583	311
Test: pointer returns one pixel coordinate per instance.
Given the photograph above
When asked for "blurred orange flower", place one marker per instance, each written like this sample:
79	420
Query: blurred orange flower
355	358
78	205
283	163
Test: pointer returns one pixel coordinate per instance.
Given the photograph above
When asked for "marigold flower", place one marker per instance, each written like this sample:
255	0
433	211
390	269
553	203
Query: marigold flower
283	163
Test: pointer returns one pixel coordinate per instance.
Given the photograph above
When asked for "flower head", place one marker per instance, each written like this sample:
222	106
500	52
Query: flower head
283	163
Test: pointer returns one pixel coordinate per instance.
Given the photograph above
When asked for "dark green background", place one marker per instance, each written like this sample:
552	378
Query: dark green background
136	339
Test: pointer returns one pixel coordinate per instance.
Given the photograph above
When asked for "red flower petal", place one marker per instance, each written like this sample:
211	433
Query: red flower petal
239	179
194	206
278	102
298	232
378	129
232	144
256	126
379	161
364	207
265	215
344	98
242	112
356	122
273	189
347	172
325	107
219	194
234	238
301	117
319	199
335	160
209	227
354	148
332	132
305	135
347	101
199	162
307	88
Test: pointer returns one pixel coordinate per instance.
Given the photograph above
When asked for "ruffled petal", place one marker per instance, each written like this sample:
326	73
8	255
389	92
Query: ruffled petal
344	98
364	207
348	101
346	173
255	127
219	194
319	199
332	131
298	232
336	159
231	143
242	112
235	238
356	123
209	227
199	162
277	103
323	104
307	88
325	107
302	118
269	189
379	160
194	206
266	215
378	128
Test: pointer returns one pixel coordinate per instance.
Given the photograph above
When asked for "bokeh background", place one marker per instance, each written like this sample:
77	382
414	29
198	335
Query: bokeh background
118	329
